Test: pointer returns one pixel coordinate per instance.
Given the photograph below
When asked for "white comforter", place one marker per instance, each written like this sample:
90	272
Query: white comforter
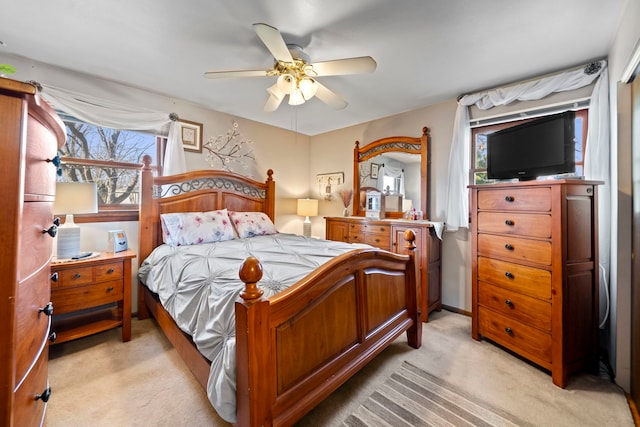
199	284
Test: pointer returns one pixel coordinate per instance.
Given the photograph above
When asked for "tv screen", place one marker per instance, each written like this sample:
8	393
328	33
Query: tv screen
544	146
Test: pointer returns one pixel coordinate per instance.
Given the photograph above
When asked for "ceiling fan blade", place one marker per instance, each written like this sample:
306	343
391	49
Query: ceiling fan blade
235	74
329	97
273	40
360	65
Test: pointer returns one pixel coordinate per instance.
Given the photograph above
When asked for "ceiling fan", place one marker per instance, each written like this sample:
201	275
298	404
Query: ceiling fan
296	74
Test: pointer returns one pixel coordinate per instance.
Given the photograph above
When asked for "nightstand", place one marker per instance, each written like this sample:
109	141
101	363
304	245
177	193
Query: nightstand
92	295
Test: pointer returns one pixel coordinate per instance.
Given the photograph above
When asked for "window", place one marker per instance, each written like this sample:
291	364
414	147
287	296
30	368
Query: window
112	159
479	145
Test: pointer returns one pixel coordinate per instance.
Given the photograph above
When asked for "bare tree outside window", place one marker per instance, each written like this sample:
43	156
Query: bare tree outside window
109	157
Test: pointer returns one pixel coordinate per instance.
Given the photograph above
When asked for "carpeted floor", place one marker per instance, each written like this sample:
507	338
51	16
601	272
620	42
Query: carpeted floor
101	381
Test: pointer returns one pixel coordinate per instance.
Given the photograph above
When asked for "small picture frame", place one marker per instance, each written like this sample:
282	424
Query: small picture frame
191	136
374	170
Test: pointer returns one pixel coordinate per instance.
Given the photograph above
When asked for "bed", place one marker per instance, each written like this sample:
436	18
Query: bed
294	347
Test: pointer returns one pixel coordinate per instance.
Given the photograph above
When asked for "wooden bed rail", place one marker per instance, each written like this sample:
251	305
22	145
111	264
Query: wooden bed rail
361	302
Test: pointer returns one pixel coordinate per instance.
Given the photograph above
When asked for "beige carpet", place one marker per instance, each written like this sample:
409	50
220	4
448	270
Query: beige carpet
101	381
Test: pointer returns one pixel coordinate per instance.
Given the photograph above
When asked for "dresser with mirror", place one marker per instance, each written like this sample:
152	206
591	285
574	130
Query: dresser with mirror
397	168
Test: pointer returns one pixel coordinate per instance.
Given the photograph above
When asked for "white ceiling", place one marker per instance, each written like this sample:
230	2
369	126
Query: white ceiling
427	51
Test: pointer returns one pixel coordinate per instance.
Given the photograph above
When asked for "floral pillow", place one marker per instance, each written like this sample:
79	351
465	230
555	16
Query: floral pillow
251	224
192	228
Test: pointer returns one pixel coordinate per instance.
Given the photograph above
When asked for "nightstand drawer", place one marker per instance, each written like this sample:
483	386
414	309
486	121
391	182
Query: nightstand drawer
74	277
66	300
111	271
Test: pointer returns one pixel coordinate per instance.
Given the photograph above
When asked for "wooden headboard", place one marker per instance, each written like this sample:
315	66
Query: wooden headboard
197	191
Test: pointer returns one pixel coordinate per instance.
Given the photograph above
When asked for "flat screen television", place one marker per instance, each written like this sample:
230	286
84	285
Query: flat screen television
540	147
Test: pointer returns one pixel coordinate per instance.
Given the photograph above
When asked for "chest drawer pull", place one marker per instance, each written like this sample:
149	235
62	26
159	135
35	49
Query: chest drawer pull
77	276
110	288
51	231
46	394
47	309
54	277
509	198
509	275
509	222
110	271
508	247
53	337
508	330
509	303
56	161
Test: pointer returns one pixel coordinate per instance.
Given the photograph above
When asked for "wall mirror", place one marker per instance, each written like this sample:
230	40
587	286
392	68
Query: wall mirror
398	168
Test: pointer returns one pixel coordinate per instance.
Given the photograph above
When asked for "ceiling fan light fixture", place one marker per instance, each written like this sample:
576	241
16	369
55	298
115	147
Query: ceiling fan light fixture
296	98
308	87
286	83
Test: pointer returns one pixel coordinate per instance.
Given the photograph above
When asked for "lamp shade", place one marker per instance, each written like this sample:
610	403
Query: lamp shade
75	198
307	207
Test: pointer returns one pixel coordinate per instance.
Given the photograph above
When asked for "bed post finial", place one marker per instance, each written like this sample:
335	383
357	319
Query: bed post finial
250	274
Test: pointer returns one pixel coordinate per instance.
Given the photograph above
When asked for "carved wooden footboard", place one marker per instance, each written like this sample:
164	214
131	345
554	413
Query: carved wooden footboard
295	348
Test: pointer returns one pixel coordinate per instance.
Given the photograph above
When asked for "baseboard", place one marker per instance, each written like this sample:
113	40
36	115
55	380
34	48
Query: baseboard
456	310
634	409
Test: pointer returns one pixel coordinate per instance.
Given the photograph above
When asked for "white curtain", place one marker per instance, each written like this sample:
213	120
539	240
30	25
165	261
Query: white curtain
101	112
457	205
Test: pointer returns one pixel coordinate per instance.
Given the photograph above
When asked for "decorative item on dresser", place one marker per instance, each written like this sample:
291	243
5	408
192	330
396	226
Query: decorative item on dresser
388	235
535	271
92	295
30	137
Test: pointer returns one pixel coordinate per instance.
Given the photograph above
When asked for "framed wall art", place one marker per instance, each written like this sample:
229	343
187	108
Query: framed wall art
374	170
191	136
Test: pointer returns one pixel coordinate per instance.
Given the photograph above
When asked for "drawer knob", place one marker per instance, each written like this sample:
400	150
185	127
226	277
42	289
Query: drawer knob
46	394
77	276
508	247
509	198
56	161
110	288
509	275
509	303
54	277
508	330
509	222
51	231
53	337
110	271
47	309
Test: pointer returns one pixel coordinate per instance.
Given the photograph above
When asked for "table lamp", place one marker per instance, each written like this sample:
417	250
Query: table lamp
73	198
307	208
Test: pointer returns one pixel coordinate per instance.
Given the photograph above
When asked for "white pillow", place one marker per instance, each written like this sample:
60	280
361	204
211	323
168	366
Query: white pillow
192	228
251	224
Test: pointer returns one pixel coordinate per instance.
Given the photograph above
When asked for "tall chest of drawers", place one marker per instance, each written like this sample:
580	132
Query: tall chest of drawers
535	271
30	135
389	235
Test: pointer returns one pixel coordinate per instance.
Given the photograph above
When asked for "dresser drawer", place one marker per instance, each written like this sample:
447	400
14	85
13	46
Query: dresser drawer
32	326
515	199
378	229
531	281
66	300
523	339
516	248
40	175
382	241
523	224
528	310
35	246
29	411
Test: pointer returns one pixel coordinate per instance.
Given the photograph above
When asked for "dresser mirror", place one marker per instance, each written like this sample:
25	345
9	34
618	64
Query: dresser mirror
398	168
